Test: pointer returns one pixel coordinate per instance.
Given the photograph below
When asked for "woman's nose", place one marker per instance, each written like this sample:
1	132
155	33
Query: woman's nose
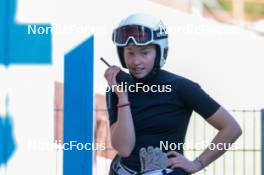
136	60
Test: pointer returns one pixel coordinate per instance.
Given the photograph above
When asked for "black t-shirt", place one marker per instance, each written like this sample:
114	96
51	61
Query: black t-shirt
162	116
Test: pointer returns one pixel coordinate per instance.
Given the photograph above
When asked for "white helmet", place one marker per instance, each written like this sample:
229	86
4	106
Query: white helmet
141	30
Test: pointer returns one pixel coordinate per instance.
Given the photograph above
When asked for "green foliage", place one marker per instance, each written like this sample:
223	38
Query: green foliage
227	5
254	8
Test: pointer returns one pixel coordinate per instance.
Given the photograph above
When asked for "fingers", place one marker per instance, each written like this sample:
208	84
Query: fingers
173	153
113	79
173	162
176	159
176	165
110	75
110	70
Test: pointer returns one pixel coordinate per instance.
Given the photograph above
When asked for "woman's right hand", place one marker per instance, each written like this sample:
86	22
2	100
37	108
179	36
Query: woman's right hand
110	75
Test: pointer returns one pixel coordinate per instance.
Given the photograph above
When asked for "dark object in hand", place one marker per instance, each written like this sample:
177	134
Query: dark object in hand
122	76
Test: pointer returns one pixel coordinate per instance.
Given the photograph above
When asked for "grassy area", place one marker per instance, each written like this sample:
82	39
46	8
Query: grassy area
254	8
227	5
251	8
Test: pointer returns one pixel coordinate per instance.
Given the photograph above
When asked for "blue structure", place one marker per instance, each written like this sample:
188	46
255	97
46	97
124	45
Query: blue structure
17	44
78	109
7	139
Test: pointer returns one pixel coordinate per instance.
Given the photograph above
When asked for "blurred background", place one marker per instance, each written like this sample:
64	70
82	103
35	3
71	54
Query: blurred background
217	43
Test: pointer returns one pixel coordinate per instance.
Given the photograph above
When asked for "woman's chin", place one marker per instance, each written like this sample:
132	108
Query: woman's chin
139	76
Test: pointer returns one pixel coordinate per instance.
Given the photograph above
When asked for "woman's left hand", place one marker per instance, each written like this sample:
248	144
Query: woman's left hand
179	161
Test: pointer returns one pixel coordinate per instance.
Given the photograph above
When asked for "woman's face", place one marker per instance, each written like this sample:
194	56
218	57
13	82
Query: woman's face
140	59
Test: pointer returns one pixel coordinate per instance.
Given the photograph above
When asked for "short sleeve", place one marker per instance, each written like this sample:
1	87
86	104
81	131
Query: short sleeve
111	102
197	99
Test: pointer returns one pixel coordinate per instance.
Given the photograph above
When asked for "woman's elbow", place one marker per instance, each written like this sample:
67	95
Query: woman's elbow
124	152
236	130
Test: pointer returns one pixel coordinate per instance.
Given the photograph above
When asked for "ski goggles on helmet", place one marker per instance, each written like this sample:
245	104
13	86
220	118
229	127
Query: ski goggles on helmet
140	35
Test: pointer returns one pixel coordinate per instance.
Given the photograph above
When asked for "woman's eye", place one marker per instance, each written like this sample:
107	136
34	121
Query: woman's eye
130	53
145	53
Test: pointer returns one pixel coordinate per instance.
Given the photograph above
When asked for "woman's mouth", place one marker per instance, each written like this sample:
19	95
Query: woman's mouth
138	70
